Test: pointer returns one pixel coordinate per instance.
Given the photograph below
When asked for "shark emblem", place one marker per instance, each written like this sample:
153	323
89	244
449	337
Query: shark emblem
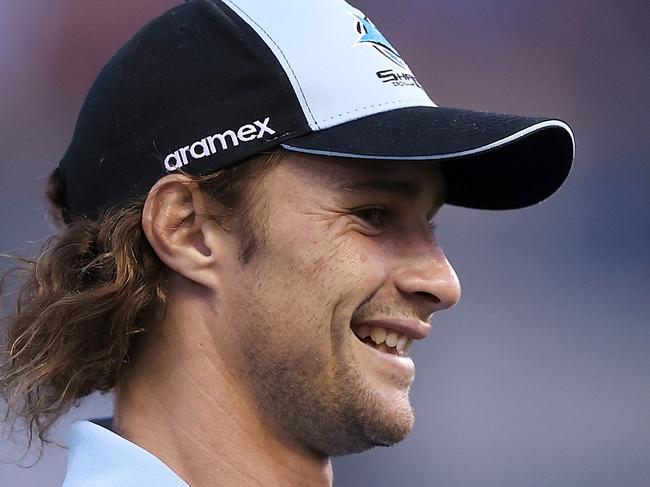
369	34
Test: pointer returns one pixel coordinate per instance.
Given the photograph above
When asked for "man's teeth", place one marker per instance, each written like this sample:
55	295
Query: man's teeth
404	343
378	335
390	338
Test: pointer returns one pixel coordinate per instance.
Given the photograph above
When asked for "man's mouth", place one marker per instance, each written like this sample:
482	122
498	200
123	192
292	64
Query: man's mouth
384	340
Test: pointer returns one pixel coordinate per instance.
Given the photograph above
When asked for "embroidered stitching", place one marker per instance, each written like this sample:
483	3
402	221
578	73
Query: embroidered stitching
370	106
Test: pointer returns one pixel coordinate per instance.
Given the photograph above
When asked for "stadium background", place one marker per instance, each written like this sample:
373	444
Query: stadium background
541	375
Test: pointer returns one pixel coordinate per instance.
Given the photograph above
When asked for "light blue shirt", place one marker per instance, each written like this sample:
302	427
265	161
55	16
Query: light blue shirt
100	458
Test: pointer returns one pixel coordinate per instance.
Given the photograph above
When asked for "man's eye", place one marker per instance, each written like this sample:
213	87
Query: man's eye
375	216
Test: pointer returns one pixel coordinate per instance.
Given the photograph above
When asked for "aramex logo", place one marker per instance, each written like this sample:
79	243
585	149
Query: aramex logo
206	146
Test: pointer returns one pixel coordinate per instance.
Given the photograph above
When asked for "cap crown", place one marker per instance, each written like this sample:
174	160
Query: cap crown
210	83
339	64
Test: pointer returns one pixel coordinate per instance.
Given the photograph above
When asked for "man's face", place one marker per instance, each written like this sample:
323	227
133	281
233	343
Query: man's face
349	250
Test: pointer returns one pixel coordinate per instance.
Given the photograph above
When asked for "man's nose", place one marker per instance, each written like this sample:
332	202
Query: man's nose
429	279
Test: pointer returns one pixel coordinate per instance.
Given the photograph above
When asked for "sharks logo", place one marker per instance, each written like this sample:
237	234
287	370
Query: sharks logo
369	34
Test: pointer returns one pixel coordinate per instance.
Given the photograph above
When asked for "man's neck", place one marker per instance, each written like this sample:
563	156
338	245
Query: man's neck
181	403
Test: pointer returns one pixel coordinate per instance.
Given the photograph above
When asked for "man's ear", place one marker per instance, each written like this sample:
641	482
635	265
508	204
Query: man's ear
176	222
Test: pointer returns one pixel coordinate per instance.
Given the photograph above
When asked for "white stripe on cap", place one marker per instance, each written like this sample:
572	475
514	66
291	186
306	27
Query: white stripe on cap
449	155
333	74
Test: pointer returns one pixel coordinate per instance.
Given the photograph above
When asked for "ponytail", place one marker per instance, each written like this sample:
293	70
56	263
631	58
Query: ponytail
89	291
83	301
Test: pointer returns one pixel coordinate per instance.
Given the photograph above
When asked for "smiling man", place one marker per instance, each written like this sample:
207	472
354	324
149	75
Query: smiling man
247	249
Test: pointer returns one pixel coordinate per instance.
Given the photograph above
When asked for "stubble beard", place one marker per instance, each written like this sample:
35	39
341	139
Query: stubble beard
319	401
331	410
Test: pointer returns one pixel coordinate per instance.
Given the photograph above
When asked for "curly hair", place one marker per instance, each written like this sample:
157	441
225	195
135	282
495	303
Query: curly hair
91	290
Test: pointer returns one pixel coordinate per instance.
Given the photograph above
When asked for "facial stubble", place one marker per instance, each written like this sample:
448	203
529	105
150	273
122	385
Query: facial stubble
324	405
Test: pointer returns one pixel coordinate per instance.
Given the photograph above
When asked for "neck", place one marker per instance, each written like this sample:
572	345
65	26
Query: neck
180	402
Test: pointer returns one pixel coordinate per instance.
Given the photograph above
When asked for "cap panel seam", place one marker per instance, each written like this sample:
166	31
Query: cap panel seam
302	93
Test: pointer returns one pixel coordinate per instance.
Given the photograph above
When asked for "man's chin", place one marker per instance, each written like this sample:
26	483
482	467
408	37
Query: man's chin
395	427
379	426
386	437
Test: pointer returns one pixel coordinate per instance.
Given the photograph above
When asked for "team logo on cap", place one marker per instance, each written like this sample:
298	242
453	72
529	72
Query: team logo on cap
369	34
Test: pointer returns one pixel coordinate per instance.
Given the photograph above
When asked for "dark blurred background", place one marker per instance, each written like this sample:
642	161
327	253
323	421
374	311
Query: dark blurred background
541	375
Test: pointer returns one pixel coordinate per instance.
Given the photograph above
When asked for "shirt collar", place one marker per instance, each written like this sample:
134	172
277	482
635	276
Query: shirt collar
102	458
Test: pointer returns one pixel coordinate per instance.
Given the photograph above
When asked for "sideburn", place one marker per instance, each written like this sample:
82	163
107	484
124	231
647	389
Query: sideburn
251	228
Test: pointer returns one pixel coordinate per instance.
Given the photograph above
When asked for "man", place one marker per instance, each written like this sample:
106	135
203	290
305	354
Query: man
247	249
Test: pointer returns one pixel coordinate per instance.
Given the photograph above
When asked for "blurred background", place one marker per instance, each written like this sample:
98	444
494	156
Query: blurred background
541	375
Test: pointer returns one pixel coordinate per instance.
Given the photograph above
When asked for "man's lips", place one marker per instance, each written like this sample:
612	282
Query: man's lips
415	329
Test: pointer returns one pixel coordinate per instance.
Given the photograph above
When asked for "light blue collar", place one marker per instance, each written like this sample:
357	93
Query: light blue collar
100	458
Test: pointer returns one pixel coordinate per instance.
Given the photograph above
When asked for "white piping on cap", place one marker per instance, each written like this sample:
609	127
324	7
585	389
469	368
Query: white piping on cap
449	155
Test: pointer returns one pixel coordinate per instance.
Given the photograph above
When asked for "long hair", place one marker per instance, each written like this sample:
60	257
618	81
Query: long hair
91	290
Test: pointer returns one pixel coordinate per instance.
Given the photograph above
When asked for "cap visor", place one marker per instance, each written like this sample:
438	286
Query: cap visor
489	160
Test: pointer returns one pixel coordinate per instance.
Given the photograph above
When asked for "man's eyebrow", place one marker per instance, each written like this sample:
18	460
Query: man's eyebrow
407	189
401	188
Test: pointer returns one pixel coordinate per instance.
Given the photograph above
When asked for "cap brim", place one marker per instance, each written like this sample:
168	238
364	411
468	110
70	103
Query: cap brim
489	160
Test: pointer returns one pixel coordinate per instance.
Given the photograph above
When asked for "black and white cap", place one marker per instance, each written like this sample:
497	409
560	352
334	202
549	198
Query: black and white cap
211	83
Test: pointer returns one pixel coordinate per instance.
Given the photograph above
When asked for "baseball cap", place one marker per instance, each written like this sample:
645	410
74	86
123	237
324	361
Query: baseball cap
210	83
